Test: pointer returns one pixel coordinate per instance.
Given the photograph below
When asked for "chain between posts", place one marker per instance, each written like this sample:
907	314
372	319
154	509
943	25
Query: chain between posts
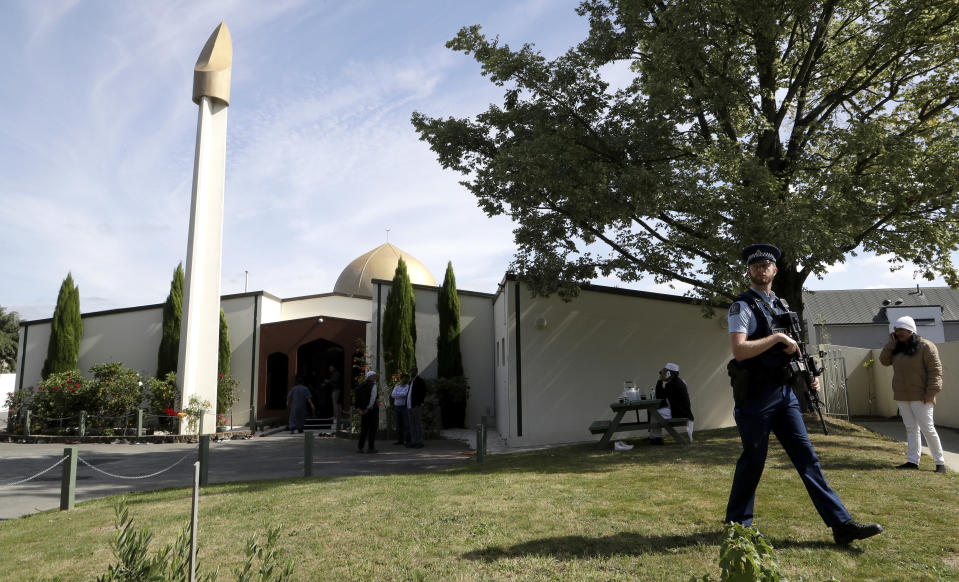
84	461
32	477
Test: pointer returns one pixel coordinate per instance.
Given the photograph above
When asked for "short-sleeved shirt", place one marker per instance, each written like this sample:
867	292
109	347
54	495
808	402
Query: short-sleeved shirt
741	318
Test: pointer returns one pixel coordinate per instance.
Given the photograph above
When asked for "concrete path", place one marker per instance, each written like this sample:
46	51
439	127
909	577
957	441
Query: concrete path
895	430
105	469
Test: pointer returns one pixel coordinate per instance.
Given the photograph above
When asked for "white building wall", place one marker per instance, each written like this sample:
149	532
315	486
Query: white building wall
271	309
357	308
502	377
476	338
575	359
239	313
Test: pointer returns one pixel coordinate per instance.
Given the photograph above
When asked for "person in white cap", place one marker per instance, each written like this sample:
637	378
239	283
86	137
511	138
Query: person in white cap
916	379
672	390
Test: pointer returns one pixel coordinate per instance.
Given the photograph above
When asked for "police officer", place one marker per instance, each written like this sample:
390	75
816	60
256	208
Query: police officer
768	403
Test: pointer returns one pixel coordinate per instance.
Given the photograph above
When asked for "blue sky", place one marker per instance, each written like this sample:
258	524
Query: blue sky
97	135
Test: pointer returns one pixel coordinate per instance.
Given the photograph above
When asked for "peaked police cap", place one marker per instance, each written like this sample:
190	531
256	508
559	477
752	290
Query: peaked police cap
761	253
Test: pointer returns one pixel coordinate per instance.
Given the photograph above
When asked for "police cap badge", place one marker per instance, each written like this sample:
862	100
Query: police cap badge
761	253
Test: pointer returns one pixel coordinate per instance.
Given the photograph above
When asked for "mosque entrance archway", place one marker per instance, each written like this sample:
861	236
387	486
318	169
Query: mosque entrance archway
277	372
313	362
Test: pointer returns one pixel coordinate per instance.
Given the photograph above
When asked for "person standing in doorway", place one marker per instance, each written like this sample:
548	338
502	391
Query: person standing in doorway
765	402
334	384
414	404
297	400
916	379
365	402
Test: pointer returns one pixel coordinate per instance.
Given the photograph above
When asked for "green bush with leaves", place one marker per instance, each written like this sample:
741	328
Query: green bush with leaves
119	390
226	393
60	397
745	555
162	398
131	548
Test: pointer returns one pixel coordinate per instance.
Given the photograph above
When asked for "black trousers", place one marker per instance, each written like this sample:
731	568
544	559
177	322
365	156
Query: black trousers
369	423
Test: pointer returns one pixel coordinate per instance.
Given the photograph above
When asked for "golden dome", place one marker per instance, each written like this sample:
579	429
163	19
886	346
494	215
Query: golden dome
380	263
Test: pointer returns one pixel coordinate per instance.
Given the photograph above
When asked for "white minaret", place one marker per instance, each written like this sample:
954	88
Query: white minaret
199	329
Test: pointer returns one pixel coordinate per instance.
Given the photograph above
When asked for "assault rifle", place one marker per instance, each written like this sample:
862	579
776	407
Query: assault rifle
802	367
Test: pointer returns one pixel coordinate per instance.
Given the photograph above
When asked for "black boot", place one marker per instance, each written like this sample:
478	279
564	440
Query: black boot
940	468
853	530
908	465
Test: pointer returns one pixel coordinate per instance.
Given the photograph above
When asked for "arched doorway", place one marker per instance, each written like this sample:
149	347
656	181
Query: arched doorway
313	363
277	372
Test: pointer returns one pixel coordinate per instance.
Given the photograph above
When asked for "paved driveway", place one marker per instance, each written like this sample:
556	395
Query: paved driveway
105	469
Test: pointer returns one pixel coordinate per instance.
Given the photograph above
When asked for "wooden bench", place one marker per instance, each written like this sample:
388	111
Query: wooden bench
601	426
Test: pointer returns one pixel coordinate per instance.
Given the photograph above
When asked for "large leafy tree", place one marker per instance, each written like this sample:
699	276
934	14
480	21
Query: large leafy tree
449	358
399	324
9	339
169	351
66	331
825	127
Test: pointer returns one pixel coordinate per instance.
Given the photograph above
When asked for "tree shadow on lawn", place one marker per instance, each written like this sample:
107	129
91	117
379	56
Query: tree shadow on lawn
618	544
628	544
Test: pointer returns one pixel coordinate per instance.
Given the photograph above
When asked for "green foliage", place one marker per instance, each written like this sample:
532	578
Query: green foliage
162	394
449	358
9	339
169	351
66	331
194	410
399	324
131	547
262	561
61	395
226	393
117	390
826	128
746	556
15	403
223	351
450	390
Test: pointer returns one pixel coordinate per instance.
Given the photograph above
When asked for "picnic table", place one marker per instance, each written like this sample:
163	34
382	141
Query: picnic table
609	427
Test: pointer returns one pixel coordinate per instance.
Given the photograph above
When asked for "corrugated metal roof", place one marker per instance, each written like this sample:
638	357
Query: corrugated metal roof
869	305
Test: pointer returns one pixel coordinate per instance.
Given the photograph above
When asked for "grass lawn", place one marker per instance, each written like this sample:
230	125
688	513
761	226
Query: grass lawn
569	513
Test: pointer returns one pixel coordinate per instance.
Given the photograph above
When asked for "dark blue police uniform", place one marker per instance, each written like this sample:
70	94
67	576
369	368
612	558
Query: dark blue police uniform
771	406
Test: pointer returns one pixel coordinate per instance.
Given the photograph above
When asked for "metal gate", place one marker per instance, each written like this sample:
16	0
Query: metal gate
833	385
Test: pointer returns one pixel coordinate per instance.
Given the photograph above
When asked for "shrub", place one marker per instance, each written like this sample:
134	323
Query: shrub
162	394
60	397
745	556
131	547
226	394
118	391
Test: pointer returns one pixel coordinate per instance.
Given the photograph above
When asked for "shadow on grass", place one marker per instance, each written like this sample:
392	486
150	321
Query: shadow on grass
629	544
619	544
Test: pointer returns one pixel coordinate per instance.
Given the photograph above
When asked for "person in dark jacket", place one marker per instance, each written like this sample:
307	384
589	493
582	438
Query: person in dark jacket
365	403
414	409
297	399
672	390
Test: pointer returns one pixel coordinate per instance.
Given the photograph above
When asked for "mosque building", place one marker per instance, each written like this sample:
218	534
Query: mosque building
540	369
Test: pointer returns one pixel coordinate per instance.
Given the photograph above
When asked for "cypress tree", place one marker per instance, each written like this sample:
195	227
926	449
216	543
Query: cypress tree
169	352
399	325
66	331
223	352
449	359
